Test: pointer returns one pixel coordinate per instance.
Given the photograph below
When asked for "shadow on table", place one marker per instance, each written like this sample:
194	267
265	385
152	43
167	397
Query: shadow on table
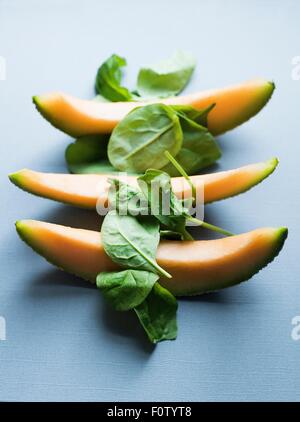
48	282
125	324
90	220
52	284
74	217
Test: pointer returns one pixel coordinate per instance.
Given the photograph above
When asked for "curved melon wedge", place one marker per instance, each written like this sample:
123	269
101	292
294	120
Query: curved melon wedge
85	190
196	266
234	106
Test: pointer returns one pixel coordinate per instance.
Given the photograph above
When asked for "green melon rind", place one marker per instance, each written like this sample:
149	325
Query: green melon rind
270	168
263	97
279	239
58	124
24	232
17	179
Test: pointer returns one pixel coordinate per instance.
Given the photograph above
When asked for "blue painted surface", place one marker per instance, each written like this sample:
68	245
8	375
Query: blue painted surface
63	343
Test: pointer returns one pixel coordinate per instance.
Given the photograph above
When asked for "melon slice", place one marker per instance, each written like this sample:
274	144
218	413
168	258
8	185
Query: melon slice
196	266
234	106
85	189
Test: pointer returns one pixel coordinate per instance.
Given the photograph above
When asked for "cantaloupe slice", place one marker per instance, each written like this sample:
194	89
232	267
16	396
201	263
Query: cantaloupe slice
196	266
85	189
234	106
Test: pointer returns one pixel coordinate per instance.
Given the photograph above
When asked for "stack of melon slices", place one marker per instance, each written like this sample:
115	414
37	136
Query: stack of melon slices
196	266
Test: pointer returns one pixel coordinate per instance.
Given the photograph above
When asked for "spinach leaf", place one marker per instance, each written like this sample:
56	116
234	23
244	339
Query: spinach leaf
170	235
126	289
166	78
95	167
88	154
183	173
132	242
199	148
198	116
165	206
157	314
191	200
98	167
138	142
126	199
108	80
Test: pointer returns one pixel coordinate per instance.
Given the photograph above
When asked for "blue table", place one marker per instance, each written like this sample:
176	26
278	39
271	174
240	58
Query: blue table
62	341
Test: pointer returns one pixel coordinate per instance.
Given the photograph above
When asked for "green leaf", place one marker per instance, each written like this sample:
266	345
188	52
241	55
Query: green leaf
101	167
199	148
166	78
165	206
190	201
108	80
170	235
182	173
132	242
88	154
126	199
199	116
157	314
138	142
126	289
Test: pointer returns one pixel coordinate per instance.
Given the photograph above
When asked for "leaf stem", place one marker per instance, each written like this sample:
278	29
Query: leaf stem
149	141
193	187
151	261
182	172
209	226
160	270
187	235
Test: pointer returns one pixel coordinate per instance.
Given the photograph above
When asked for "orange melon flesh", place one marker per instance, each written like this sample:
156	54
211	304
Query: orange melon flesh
76	117
84	189
196	266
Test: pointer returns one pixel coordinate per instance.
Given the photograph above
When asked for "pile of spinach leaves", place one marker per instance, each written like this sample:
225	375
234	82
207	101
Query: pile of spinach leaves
130	235
138	141
131	241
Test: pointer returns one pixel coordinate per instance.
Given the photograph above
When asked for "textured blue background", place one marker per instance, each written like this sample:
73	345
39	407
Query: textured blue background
63	343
